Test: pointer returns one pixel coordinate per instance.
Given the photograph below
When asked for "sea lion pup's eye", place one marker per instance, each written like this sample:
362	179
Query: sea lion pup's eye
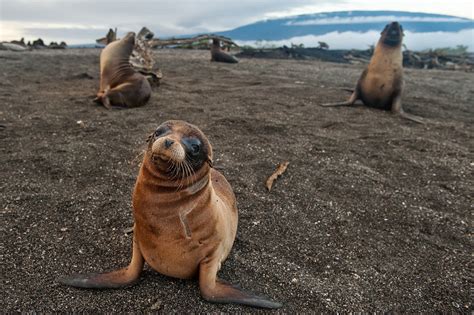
195	148
160	131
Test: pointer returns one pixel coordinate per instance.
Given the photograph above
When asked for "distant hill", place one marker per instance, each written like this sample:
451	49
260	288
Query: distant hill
346	21
353	30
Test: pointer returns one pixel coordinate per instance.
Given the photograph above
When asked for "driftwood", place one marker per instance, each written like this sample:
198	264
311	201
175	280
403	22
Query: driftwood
155	43
295	52
145	34
281	168
435	60
411	59
142	59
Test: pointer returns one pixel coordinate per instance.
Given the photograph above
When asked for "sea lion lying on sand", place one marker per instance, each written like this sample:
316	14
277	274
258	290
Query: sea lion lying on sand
219	55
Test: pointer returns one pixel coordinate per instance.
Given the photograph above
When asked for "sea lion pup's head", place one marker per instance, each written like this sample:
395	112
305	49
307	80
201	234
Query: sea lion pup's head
129	38
179	150
392	34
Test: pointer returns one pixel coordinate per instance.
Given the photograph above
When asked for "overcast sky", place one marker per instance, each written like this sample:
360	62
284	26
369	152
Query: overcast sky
82	21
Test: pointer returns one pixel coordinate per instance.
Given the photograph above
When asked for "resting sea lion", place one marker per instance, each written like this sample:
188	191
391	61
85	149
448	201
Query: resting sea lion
185	218
381	84
219	55
120	84
20	42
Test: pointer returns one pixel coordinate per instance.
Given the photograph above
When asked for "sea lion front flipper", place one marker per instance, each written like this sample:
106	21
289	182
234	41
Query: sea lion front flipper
218	291
354	97
398	109
102	99
110	280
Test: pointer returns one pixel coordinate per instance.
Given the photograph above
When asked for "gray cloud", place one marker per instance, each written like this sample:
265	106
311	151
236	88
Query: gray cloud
82	21
165	17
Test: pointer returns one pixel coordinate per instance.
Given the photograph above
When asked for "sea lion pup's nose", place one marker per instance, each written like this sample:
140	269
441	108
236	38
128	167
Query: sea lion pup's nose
168	143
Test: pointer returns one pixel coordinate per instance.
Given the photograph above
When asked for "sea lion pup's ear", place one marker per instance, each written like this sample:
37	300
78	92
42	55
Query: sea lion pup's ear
149	137
210	162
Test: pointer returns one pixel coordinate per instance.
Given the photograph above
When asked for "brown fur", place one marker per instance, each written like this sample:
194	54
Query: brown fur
120	84
219	55
185	223
381	84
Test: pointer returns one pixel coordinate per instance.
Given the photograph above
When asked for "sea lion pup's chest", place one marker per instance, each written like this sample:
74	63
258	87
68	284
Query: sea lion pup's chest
115	64
177	230
383	78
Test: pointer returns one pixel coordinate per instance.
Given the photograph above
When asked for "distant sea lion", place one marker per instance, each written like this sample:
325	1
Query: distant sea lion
20	42
185	218
120	84
381	84
219	55
110	37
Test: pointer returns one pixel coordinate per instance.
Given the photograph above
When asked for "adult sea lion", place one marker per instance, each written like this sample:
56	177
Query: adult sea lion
381	84
20	42
219	55
120	84
185	218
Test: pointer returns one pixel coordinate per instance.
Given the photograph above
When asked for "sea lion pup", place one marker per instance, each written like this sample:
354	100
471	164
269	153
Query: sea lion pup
219	55
120	84
185	218
381	84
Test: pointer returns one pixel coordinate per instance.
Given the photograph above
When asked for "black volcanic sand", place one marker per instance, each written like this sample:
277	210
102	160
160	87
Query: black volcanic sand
373	213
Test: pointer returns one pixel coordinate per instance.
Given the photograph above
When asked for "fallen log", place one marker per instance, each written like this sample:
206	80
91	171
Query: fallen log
156	43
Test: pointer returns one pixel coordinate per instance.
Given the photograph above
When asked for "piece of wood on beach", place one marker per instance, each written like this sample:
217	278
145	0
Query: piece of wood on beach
281	168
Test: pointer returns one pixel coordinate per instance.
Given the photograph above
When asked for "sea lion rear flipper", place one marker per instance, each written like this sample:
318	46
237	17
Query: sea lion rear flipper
398	109
110	280
221	56
102	99
412	117
218	291
354	97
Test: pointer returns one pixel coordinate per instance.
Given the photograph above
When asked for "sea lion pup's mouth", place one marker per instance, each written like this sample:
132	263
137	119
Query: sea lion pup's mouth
392	34
179	150
167	149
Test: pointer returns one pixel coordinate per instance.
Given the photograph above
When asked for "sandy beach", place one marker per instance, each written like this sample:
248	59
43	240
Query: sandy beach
373	213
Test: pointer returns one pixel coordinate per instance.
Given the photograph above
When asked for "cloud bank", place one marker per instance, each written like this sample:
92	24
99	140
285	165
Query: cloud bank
355	40
375	19
82	21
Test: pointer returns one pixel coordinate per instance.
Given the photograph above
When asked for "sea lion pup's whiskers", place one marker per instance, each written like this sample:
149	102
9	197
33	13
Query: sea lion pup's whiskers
381	83
184	233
